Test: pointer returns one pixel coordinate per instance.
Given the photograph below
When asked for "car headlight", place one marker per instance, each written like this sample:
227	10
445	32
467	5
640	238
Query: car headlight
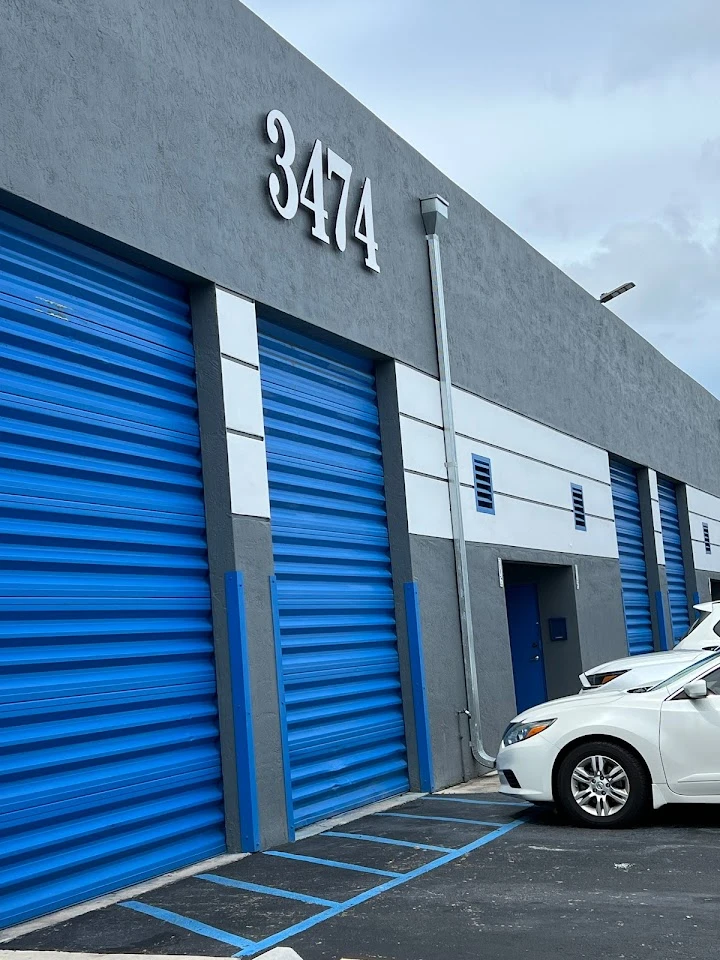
517	732
600	679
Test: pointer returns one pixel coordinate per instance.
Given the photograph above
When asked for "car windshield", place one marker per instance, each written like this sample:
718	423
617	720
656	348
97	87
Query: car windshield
680	675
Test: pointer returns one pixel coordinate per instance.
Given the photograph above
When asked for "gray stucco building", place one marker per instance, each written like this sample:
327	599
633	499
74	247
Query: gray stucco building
230	592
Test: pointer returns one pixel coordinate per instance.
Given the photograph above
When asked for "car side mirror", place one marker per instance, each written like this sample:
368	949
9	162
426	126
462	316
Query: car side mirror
696	690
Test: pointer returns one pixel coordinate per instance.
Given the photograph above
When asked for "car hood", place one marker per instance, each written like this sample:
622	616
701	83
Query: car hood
553	708
672	659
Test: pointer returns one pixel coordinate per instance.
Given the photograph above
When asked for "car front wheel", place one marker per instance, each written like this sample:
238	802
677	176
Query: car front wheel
602	784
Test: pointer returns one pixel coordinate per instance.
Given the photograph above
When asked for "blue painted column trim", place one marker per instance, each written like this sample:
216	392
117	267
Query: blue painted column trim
274	605
419	689
242	712
660	608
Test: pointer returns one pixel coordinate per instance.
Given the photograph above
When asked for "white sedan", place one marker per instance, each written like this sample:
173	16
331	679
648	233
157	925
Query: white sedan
650	668
605	759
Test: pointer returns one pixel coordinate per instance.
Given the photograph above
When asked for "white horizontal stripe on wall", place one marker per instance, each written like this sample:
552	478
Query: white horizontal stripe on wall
249	494
242	396
423	447
418	395
533	525
697	533
516	476
657	523
532	484
703	504
479	419
706	561
238	327
428	506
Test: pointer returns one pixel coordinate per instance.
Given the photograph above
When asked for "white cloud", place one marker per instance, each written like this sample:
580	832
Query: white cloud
591	129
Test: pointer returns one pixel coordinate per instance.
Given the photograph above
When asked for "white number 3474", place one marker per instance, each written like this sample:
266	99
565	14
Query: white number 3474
287	197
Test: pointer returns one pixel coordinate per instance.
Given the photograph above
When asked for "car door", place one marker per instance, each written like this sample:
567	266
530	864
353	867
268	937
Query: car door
690	741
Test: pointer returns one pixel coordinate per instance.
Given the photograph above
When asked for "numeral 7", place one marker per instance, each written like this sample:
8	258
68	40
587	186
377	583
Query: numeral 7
338	167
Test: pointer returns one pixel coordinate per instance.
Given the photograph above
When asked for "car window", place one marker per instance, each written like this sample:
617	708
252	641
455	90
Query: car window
716	628
713	682
687	671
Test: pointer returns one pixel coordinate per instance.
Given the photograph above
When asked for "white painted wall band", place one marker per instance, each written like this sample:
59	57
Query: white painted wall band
242	393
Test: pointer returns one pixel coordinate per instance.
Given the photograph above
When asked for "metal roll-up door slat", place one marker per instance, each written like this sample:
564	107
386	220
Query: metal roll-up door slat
341	675
674	563
631	549
110	768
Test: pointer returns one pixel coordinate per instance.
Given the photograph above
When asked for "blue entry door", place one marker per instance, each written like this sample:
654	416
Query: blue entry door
526	644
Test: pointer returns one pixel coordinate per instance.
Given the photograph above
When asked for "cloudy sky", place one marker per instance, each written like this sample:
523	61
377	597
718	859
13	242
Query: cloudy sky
591	128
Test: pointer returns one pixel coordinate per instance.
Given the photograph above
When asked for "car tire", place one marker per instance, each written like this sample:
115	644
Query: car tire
604	785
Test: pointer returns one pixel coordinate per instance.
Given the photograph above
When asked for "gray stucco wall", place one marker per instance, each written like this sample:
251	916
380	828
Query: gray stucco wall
598	605
596	624
143	120
434	568
254	558
703	579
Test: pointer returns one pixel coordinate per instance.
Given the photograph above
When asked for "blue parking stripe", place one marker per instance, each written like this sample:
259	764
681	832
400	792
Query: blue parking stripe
332	863
393	843
304	925
422	816
483	803
270	891
195	926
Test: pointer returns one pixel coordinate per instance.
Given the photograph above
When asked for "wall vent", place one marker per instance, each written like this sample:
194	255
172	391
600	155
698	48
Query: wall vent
578	504
482	481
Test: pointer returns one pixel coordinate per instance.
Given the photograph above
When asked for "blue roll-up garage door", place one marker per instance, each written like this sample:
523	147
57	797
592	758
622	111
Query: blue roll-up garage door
631	548
674	565
110	769
340	668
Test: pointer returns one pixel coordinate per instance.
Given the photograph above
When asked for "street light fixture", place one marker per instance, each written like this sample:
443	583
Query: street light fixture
604	297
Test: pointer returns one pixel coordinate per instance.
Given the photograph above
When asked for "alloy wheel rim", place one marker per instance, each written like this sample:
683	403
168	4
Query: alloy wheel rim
600	786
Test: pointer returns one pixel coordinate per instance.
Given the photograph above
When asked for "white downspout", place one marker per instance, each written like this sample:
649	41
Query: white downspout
432	209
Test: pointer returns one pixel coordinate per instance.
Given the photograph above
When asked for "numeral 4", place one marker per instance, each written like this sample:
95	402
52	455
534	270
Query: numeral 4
314	181
365	226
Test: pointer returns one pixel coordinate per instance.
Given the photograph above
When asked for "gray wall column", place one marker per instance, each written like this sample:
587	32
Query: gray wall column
219	530
244	544
433	567
655	570
687	548
400	556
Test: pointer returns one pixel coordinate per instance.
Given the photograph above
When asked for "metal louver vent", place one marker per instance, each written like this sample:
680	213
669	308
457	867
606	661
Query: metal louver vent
482	481
706	537
578	503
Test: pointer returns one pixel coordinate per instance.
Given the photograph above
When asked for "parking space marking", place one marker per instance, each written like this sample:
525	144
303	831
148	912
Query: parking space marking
331	863
482	803
304	925
394	843
261	888
187	923
422	816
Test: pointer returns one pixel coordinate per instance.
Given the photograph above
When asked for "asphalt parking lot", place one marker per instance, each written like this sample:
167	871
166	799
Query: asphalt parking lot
456	876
